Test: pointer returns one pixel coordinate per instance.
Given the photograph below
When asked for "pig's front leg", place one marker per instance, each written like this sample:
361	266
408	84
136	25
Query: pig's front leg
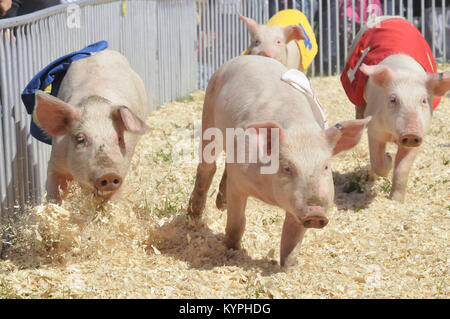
221	200
403	162
381	162
291	236
197	202
235	216
56	181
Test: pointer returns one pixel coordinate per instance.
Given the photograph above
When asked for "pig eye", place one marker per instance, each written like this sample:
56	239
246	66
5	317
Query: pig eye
287	170
393	99
425	101
80	139
278	41
257	42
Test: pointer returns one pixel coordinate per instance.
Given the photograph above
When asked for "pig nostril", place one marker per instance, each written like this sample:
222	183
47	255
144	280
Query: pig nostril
322	223
307	223
108	182
410	140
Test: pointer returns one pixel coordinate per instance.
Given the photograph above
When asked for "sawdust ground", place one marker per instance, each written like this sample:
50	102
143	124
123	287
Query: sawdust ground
145	247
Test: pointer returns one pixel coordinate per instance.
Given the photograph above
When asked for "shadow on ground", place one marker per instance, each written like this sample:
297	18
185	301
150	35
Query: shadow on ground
194	242
353	190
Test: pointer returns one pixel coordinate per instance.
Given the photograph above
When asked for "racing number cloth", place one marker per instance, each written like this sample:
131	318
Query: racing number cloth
391	36
49	79
308	48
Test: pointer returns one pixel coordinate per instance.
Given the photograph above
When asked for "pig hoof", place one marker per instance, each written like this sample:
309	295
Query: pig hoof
289	261
372	175
193	211
232	244
221	202
385	167
397	196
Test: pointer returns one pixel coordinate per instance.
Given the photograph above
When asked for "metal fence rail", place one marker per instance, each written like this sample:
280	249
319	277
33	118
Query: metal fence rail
158	38
334	27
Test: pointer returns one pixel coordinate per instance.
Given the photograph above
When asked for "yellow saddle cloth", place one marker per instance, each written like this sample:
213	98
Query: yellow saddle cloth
308	48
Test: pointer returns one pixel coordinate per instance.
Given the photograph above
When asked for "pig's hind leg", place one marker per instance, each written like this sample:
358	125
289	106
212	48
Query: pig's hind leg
197	202
204	177
237	202
221	199
359	112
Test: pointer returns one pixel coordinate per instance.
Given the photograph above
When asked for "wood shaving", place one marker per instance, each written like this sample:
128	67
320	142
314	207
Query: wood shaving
144	246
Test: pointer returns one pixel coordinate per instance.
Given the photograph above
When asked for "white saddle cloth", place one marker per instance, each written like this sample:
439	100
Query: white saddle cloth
299	81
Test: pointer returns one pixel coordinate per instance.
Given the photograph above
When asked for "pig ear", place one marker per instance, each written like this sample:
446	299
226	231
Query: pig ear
252	25
265	141
343	136
55	116
130	121
381	75
293	32
438	83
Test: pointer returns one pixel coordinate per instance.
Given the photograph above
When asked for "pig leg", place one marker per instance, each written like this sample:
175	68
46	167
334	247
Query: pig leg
205	172
359	112
56	181
403	162
197	202
235	217
291	236
221	200
381	162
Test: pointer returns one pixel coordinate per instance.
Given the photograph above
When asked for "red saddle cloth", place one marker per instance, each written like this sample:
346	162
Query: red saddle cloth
392	36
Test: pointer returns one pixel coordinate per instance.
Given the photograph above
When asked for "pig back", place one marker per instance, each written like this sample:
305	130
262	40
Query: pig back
109	75
249	89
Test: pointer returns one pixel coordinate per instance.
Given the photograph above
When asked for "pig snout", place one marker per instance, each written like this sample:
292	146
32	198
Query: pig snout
410	140
266	54
264	51
315	217
108	182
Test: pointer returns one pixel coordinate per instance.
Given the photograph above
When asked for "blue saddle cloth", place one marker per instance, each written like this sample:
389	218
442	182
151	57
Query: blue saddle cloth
49	79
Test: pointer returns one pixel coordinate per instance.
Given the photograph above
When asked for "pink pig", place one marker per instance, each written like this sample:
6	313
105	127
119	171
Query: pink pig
398	94
95	124
279	43
247	92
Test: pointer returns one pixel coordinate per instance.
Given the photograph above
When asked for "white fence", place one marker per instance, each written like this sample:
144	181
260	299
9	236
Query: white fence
223	36
157	37
175	46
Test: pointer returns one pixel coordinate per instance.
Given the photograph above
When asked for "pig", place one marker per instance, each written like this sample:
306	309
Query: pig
95	123
247	92
279	43
398	95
